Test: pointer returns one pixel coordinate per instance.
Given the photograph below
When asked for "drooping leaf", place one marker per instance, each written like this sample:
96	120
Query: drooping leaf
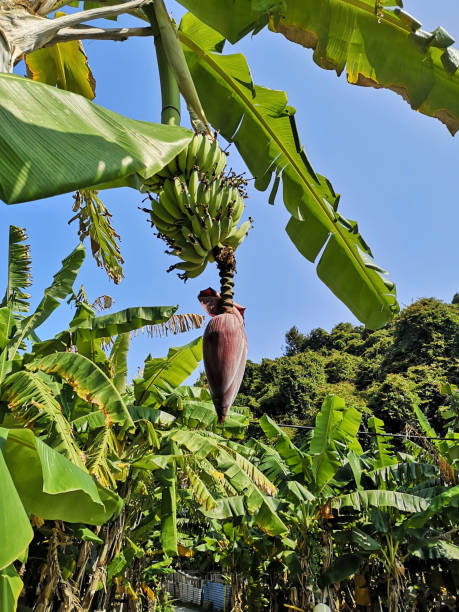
88	381
118	361
340	569
12	514
200	491
446	499
63	65
19	277
262	126
166	373
94	221
381	499
52	487
129	319
168	510
95	145
31	400
382	48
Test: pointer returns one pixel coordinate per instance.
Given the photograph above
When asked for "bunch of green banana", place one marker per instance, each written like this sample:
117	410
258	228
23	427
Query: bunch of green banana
197	211
203	153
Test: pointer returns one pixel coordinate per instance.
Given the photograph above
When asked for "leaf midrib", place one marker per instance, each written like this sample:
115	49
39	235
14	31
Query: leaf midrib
338	232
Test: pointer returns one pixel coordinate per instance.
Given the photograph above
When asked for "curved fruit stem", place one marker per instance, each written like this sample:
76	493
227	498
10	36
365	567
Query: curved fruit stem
226	263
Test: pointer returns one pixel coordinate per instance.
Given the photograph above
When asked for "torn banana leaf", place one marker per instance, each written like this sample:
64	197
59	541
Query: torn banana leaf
262	126
379	46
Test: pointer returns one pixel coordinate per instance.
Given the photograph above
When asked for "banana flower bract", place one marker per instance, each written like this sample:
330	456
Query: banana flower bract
224	350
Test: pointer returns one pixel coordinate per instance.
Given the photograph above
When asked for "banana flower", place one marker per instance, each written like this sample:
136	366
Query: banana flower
224	351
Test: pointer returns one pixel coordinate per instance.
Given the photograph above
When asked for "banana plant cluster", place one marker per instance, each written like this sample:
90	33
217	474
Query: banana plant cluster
199	206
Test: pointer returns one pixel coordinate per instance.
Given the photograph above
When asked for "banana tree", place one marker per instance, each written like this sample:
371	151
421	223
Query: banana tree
46	469
349	510
131	153
258	120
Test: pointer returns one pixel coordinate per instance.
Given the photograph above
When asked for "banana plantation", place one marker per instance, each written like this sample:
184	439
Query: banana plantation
323	481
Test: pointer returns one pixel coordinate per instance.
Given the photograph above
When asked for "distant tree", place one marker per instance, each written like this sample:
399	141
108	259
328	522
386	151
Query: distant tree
455	299
294	342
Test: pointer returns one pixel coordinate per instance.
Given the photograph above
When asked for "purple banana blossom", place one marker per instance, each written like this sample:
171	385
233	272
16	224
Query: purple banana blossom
224	350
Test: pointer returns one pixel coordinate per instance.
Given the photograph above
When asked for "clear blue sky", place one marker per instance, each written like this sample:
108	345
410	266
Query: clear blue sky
396	171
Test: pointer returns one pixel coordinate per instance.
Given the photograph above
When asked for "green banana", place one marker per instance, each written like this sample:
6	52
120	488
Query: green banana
193	185
192	270
202	159
169	201
238	209
224	200
181	160
208	221
189	254
235	238
205	239
196	225
154	184
221	163
198	247
160	210
193	149
215	231
226	225
214	155
161	225
213	197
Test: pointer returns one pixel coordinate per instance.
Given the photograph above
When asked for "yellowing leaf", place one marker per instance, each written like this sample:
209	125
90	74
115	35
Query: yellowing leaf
183	551
64	65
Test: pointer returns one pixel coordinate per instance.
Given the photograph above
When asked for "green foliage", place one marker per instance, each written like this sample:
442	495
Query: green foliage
386	369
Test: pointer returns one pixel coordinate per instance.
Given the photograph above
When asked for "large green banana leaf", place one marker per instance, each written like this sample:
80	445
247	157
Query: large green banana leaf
381	499
380	47
36	479
47	132
12	513
88	381
335	426
163	374
262	126
123	321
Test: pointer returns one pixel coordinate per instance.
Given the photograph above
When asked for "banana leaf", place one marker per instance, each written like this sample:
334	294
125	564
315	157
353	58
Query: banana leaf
10	588
166	373
47	485
30	398
293	457
62	65
123	321
49	132
19	277
381	499
335	424
262	126
12	514
379	47
88	382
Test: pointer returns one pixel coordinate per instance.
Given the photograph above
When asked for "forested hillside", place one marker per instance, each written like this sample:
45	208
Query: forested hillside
383	371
